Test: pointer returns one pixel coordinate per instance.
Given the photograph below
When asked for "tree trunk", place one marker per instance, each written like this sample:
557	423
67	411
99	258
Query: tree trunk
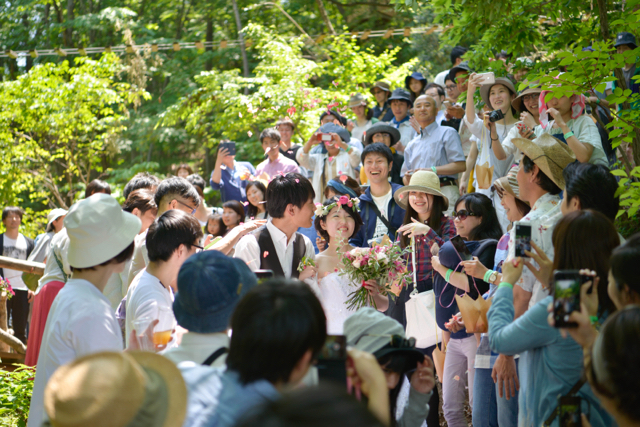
3	321
325	17
179	20
69	31
245	61
209	38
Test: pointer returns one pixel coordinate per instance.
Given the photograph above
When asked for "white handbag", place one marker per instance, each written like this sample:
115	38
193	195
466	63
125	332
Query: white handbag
421	313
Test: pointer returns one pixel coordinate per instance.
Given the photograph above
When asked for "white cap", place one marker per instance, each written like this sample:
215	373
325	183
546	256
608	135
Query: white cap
98	230
55	214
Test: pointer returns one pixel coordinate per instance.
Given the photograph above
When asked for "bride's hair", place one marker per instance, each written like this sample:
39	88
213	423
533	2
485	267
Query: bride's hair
323	219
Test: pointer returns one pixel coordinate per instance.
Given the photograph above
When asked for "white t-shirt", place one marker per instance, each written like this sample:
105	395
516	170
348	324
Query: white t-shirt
147	297
80	322
383	206
17	249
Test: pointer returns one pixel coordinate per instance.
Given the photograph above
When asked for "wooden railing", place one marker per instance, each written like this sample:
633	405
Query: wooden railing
21	265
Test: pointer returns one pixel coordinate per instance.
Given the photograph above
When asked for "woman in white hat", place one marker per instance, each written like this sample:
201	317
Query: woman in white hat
81	320
54	225
364	116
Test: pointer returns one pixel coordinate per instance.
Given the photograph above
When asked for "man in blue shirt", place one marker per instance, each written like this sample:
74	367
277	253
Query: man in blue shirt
436	148
231	177
278	328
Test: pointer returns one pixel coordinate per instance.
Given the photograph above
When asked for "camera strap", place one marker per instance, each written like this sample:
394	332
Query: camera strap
576	387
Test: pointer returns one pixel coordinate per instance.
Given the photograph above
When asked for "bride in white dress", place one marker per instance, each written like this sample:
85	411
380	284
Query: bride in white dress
336	222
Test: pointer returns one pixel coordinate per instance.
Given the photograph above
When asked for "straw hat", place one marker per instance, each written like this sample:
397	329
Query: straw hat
484	89
356	100
98	230
423	181
550	154
112	389
517	102
509	183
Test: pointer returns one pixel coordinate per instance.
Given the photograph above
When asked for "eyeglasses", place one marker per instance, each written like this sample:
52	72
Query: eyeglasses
193	210
526	98
462	215
200	248
451	87
395	341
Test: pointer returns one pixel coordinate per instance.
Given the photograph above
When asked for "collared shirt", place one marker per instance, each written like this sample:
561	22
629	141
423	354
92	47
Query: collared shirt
248	250
545	208
435	146
81	322
440	117
343	163
282	165
231	185
407	132
217	398
197	348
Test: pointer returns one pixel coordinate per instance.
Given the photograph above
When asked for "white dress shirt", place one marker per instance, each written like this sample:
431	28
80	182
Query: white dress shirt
80	322
197	348
248	250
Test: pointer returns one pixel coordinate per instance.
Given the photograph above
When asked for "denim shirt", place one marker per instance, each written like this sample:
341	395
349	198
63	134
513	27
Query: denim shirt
217	398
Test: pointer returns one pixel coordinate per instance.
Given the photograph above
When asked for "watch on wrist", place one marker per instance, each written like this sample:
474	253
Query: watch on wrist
493	276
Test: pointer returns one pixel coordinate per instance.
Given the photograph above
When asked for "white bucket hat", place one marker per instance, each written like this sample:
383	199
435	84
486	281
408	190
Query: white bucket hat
55	214
98	230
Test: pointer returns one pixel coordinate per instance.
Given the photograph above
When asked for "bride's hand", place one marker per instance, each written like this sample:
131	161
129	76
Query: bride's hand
414	228
308	272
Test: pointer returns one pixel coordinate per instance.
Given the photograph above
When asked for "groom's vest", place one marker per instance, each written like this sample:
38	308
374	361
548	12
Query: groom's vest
271	260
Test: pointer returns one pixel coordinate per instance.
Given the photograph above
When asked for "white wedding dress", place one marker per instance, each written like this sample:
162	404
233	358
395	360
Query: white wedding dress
333	292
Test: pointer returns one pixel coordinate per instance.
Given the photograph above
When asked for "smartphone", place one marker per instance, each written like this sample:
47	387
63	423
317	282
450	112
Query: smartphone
461	248
569	411
332	361
566	296
229	145
523	239
447	104
487	78
263	275
323	137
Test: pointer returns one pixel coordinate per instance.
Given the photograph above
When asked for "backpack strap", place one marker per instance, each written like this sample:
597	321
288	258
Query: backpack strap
215	355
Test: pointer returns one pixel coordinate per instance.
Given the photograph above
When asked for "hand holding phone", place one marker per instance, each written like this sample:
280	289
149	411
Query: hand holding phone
523	239
230	146
486	78
566	296
332	359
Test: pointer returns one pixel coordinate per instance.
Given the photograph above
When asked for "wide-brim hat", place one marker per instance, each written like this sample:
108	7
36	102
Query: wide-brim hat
357	100
463	66
55	214
335	114
401	95
210	285
382	85
423	181
415	75
550	154
112	389
517	102
509	183
625	38
98	230
486	88
286	121
382	128
370	330
334	128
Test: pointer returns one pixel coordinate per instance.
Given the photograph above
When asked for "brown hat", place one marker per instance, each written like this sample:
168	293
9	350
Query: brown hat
286	121
116	389
385	86
486	88
356	100
517	102
509	183
549	154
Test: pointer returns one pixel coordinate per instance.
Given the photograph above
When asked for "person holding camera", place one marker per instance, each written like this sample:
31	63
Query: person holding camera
497	94
335	158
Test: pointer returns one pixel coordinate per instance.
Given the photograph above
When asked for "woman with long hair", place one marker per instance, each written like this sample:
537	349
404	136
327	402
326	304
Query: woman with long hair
478	228
256	209
232	214
551	365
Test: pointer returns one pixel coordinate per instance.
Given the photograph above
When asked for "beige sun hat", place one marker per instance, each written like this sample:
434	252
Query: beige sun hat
117	389
423	181
356	100
549	154
98	230
509	183
486	88
517	102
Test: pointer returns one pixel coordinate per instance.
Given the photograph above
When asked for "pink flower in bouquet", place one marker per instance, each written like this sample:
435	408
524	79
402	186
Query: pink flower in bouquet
10	289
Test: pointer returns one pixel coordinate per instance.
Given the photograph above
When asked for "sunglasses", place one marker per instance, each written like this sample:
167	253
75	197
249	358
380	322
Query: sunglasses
462	215
193	210
395	341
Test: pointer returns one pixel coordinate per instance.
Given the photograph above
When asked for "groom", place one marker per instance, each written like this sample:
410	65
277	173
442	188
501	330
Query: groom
277	246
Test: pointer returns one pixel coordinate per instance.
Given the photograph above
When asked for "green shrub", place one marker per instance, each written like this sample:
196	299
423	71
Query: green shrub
15	395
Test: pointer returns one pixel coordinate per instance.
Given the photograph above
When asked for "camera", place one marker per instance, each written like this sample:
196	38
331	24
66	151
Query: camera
496	115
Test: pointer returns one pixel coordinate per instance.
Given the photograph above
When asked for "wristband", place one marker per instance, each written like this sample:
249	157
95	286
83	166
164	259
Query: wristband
348	148
448	275
594	320
486	275
505	285
597	100
568	135
433	168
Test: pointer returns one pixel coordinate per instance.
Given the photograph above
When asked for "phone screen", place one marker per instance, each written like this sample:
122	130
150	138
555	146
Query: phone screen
263	274
523	239
566	296
569	411
231	146
332	360
461	248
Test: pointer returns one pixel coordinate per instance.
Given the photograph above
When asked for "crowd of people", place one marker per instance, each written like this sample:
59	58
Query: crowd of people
165	311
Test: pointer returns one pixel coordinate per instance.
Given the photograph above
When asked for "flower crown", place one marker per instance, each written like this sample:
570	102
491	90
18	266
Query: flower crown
342	201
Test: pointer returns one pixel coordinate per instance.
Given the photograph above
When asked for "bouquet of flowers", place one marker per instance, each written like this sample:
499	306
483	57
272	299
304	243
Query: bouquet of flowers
383	263
5	288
